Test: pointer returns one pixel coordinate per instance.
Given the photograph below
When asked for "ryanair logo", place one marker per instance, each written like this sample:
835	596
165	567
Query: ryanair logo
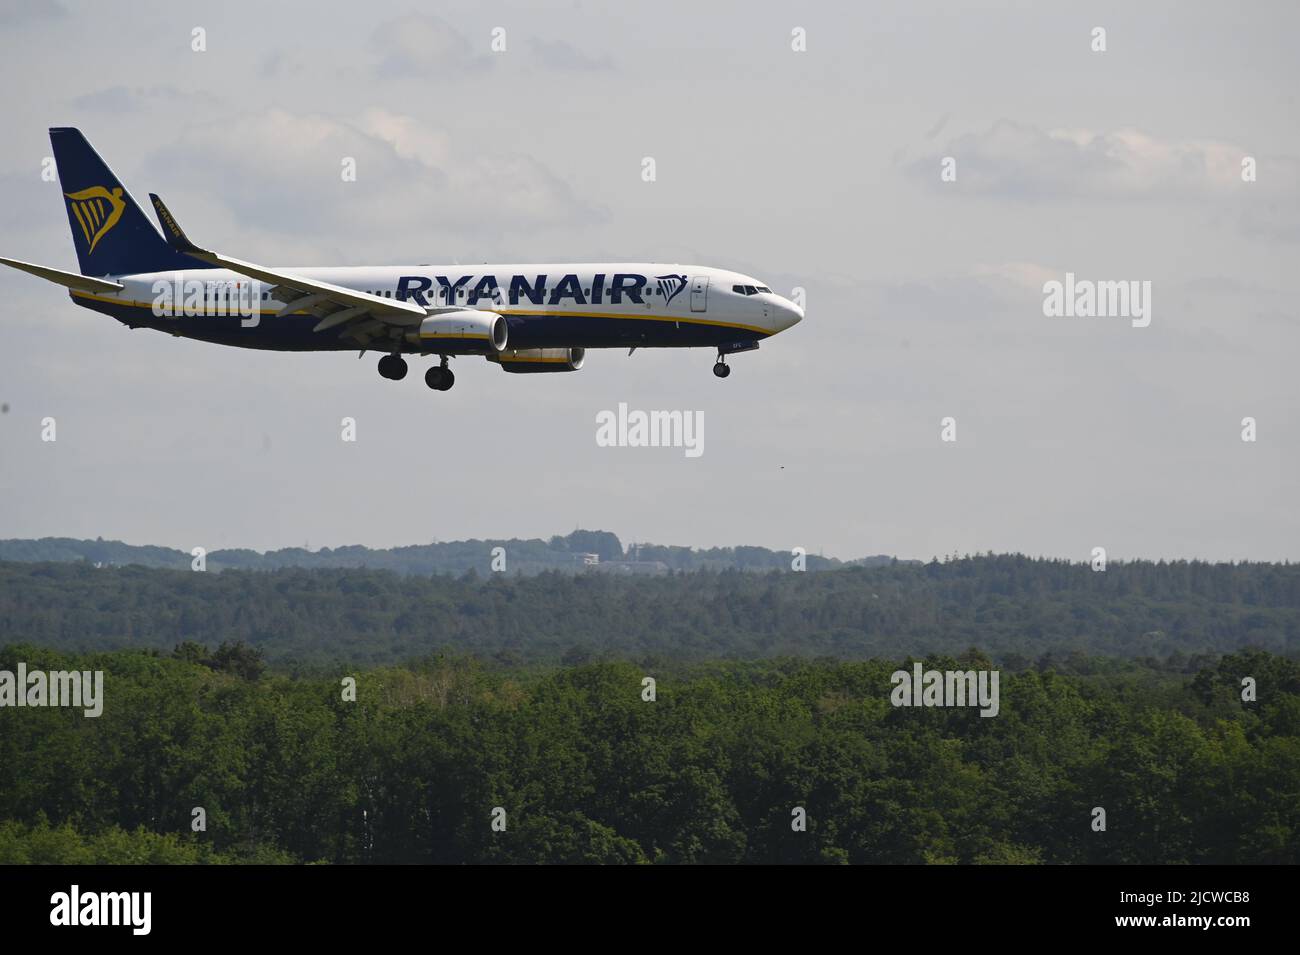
670	285
167	219
96	211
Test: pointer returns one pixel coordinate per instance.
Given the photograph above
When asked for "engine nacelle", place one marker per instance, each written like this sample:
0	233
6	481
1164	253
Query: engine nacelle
535	360
462	331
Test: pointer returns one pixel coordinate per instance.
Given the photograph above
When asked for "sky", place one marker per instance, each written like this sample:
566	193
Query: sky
818	168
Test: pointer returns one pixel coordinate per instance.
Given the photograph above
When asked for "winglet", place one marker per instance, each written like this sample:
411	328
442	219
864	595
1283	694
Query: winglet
174	234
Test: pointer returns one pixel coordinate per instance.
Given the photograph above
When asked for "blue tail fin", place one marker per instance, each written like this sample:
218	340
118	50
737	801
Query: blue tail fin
111	233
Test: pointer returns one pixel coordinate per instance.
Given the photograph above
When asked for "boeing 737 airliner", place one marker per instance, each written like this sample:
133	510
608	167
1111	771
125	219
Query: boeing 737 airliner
525	318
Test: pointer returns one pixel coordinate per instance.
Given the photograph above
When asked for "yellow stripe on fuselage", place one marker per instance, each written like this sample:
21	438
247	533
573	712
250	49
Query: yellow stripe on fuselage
649	318
149	305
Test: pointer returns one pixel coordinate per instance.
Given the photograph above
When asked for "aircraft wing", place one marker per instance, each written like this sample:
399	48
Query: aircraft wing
363	316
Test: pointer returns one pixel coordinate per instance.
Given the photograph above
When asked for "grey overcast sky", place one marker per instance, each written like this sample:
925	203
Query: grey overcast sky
816	169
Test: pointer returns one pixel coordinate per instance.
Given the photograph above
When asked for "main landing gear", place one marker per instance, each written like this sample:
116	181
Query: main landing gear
392	367
440	377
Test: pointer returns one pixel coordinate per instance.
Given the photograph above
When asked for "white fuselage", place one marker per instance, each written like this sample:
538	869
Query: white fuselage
588	304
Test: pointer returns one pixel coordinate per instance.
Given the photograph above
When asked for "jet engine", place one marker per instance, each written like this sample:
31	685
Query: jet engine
462	331
532	360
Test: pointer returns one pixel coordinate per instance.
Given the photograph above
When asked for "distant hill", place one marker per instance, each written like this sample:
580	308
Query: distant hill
1013	607
522	557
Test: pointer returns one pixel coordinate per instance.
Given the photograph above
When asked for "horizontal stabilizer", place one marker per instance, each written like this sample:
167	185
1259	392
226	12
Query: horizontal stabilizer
83	283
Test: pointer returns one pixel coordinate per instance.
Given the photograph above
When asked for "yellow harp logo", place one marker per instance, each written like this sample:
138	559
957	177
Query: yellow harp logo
96	211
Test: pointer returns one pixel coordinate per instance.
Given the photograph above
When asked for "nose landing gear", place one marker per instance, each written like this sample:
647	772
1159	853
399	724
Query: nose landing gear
721	368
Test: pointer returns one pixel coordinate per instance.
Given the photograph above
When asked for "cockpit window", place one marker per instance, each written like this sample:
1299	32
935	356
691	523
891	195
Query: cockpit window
764	288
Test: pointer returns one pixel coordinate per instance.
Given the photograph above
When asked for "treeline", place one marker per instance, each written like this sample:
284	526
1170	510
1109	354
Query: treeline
578	765
522	557
42	844
1015	607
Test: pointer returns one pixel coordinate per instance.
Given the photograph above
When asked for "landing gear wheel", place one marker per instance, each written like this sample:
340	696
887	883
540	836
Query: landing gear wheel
439	378
392	367
721	370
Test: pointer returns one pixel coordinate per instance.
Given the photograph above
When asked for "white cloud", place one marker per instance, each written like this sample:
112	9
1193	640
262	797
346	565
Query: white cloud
423	45
559	54
1026	276
1020	161
283	173
126	99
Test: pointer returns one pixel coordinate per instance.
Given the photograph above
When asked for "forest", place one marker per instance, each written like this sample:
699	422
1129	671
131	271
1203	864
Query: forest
343	715
1015	608
448	759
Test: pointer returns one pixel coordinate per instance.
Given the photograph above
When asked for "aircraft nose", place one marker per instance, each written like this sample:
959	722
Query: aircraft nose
787	314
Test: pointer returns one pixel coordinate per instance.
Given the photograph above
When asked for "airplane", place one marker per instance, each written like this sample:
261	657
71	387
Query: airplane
523	318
